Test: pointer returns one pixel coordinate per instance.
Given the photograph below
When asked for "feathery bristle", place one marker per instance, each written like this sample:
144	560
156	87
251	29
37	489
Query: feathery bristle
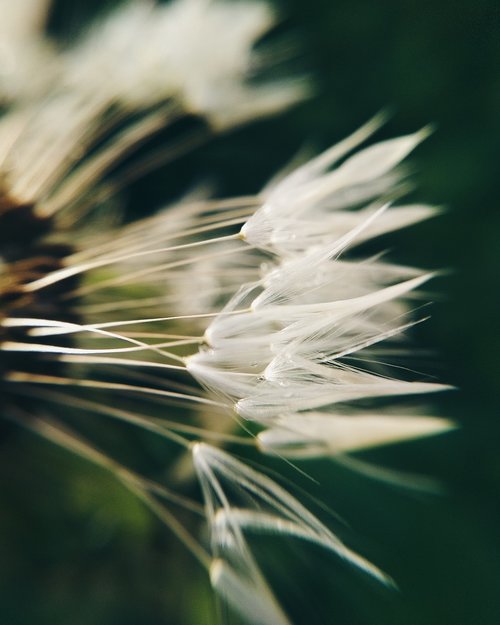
243	314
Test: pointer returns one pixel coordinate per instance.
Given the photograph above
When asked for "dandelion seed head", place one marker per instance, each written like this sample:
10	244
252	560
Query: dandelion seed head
235	319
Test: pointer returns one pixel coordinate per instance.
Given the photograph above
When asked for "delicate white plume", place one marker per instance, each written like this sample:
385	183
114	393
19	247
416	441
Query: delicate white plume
267	508
199	52
280	344
260	299
27	61
313	205
318	433
159	62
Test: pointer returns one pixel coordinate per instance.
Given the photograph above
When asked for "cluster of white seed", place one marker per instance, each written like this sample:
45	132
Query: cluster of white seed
254	300
280	351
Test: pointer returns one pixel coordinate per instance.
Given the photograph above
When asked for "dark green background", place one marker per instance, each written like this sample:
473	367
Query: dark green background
76	549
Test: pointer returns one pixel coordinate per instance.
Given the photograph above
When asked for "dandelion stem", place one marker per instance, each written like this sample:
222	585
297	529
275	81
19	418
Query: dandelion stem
160	426
48	328
134	276
69	328
32	378
103	360
63	274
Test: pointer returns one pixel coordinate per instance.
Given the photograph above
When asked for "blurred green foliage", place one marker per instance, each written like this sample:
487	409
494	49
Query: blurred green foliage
76	548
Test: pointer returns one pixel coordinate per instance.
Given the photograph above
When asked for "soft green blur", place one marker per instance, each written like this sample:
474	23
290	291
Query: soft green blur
76	548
